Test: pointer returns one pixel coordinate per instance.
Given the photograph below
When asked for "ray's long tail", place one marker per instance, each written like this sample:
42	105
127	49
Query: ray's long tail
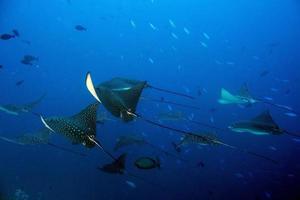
171	92
189	133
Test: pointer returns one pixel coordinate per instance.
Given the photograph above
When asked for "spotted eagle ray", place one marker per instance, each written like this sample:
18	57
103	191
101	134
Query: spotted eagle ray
206	138
118	106
79	128
42	136
245	98
14	109
262	124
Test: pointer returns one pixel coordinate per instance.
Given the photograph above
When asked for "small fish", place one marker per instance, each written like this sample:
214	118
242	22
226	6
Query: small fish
187	31
273	148
264	73
151	60
174	36
203	44
230	63
212	120
218	62
287	92
147	163
26	42
18	83
6	36
131	184
268	195
274	89
152	26
239	175
80	28
172	23
296	140
268	98
200	164
28	59
206	36
290	114
132	23
170	108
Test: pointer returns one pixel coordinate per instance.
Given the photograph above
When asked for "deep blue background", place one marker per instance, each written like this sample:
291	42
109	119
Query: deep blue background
241	32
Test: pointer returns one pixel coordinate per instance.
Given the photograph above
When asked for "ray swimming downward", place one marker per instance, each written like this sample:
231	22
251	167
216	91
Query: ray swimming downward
130	113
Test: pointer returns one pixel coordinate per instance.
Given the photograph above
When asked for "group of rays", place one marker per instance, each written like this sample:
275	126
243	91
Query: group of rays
120	97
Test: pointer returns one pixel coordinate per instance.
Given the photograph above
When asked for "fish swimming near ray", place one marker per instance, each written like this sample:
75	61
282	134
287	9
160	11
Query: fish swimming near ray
79	128
40	137
17	109
246	99
262	124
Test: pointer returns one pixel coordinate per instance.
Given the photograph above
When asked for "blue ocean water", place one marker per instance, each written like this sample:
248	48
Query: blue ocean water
193	47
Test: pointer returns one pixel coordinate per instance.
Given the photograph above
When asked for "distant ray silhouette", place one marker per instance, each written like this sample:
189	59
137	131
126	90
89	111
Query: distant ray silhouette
39	137
262	124
245	98
16	109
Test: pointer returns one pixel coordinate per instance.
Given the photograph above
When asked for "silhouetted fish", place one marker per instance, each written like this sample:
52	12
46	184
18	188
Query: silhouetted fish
28	59
264	73
7	36
147	163
80	28
18	83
